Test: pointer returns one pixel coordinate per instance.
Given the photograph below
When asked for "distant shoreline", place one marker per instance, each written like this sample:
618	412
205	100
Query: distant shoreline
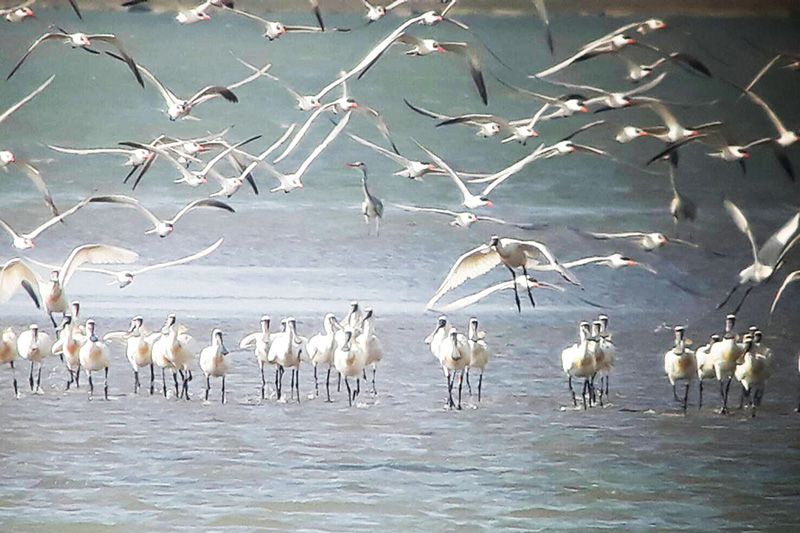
609	8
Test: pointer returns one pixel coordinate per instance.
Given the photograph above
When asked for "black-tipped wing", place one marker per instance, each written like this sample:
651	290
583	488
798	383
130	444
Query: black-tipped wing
112	39
31	48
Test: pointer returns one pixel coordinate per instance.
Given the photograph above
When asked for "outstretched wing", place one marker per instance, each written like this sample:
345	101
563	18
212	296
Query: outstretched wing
12	275
94	253
27	99
470	265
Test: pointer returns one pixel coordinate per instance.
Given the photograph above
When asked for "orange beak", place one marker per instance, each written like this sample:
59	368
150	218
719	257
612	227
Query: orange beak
488	203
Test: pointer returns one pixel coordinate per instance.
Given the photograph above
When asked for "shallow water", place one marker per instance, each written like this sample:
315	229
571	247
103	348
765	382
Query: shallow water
524	459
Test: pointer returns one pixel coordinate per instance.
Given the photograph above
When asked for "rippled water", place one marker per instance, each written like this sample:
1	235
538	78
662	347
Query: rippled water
399	461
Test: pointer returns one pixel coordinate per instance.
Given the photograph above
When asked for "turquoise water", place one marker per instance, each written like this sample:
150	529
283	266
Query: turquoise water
522	460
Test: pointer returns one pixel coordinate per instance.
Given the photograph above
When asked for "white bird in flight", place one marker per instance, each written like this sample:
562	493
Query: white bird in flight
23	241
16	273
161	227
125	277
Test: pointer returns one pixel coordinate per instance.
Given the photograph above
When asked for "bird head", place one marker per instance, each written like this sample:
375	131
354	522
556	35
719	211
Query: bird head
7	157
486	201
442	321
81	39
494	241
125	279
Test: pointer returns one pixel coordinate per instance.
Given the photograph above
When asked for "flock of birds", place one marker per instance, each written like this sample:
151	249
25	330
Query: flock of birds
348	346
351	345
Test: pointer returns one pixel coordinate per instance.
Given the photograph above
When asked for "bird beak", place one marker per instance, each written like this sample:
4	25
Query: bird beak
630	41
584	109
439	49
13	158
488	203
350	164
745	154
642	133
631	263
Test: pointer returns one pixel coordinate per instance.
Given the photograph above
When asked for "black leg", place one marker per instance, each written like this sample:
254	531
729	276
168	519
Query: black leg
316	383
152	378
700	401
91	386
574	398
516	293
14	373
186	385
71	378
469	387
297	383
686	396
263	381
675	393
728	297
374	390
358	388
746	293
208	386
349	398
460	385
328	384
277	386
584	391
30	377
164	382
78	377
607	376
725	398
53	320
528	286
105	384
450	402
223	390
480	383
135	381
175	379
39	378
339	383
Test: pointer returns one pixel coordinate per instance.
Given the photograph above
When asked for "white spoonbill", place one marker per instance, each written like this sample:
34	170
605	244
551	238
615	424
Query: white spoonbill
8	353
214	362
578	361
320	349
94	356
479	353
34	345
680	364
455	355
69	346
260	340
349	361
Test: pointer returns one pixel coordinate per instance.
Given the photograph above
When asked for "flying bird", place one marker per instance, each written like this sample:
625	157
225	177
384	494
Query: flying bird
511	253
23	241
767	259
161	227
178	108
82	40
16	273
125	277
